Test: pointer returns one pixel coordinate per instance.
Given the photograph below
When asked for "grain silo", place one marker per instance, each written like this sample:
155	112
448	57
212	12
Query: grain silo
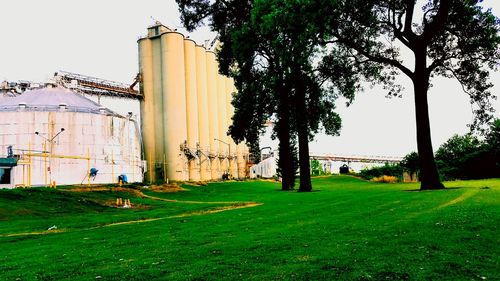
203	134
54	135
222	115
191	109
213	117
174	105
186	109
230	89
147	105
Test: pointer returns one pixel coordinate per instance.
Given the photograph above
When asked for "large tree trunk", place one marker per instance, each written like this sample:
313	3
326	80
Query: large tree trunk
285	161
429	176
303	134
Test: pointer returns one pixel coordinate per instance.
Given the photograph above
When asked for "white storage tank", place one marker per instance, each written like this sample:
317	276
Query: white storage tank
58	136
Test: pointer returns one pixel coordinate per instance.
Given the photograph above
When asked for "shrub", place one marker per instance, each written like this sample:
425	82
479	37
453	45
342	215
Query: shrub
385	179
386	170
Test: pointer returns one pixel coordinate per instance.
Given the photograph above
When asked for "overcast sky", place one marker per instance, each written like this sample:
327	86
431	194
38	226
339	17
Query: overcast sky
99	38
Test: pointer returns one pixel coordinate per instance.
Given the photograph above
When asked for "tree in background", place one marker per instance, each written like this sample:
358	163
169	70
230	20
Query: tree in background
411	164
493	139
454	153
467	157
492	145
316	168
451	38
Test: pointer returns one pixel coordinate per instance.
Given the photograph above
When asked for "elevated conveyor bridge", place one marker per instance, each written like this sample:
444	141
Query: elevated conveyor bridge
352	158
96	86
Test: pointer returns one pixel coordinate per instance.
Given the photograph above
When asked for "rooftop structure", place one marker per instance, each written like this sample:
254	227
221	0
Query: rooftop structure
52	99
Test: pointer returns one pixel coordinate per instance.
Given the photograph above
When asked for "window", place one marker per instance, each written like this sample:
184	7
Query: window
5	175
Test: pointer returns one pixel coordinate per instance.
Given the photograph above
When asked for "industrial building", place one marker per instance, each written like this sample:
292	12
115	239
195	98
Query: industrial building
55	136
84	130
186	110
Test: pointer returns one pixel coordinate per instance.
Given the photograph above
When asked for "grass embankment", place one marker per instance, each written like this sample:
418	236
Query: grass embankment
348	230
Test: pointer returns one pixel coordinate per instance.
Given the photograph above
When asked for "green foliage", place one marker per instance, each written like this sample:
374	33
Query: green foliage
466	157
452	155
493	137
411	163
317	168
399	235
386	170
459	39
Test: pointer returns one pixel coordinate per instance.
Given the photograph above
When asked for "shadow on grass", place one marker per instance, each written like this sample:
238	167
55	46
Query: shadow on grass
298	191
432	190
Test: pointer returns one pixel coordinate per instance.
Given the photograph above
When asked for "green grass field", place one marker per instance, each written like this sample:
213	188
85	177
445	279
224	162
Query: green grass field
348	229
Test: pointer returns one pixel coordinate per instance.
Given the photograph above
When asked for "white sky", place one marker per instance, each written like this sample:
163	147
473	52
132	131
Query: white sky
98	38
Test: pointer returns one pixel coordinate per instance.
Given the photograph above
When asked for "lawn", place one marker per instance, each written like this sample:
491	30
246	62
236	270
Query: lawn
348	229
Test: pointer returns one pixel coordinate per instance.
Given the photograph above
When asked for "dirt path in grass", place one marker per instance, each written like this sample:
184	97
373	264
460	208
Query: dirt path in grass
141	194
464	196
233	205
190	202
183	215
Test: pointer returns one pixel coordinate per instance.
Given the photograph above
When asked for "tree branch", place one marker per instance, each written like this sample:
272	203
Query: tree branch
377	59
438	23
410	6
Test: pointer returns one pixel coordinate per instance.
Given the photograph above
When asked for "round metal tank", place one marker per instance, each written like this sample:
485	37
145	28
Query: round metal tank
203	118
59	136
147	106
174	105
213	117
191	109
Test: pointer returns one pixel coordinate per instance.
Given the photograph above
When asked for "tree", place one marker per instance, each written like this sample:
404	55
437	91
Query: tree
453	38
490	159
410	164
493	136
291	32
316	167
454	153
467	157
262	93
274	43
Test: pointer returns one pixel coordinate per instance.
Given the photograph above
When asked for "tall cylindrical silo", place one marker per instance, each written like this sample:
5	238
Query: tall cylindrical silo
213	118
203	118
159	164
222	112
174	105
191	108
147	106
230	89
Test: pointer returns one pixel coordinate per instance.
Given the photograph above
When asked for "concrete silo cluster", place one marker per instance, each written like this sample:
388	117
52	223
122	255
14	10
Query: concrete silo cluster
186	111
